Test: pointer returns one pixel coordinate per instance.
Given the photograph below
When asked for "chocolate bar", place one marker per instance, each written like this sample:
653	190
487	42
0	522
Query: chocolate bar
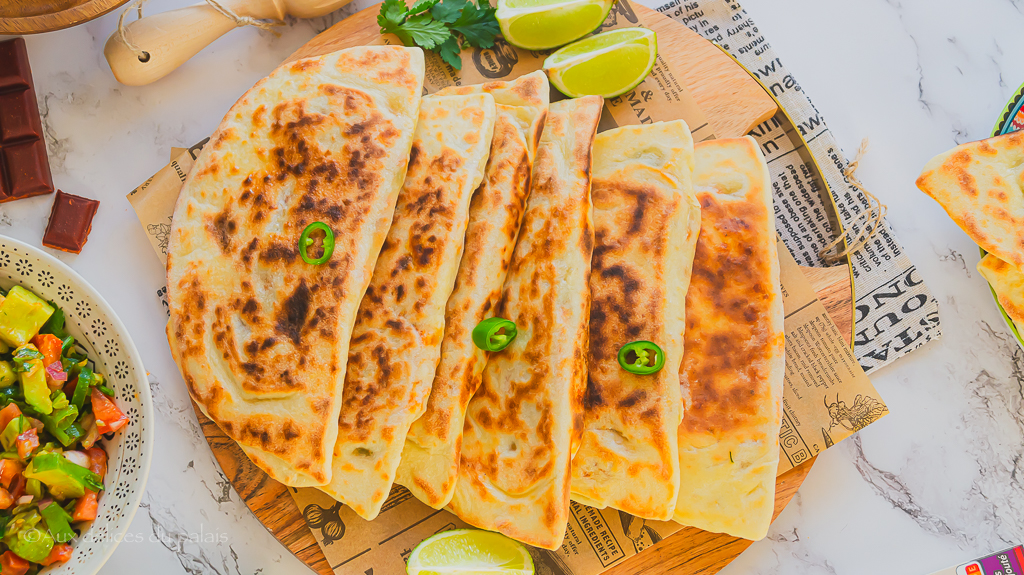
24	167
70	222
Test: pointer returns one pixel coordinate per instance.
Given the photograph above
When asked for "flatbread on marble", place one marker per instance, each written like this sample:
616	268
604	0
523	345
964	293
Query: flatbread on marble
1008	283
260	336
430	459
979	185
396	342
646	222
734	358
523	425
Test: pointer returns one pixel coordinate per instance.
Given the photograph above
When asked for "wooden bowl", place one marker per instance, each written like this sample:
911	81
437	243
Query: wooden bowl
32	16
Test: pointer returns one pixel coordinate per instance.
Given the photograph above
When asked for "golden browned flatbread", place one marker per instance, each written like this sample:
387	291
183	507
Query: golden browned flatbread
646	222
523	424
979	185
1008	283
396	342
261	337
734	358
430	459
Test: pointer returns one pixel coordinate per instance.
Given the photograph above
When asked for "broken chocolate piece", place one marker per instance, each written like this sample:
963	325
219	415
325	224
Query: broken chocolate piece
70	222
24	167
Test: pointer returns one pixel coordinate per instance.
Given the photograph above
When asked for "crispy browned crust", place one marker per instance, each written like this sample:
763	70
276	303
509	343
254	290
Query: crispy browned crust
979	185
524	423
260	336
646	222
396	341
733	362
1008	283
430	459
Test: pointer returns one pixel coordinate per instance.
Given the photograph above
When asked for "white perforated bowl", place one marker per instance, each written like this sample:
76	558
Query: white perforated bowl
93	323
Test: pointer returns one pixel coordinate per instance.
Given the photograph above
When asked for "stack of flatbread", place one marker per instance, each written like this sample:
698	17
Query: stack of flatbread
979	185
360	371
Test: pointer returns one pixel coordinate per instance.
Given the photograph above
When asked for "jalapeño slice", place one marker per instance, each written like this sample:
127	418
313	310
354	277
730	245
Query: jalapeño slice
641	357
305	242
487	338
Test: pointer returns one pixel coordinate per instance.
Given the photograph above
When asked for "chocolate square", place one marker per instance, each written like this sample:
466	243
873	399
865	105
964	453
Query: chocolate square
15	73
28	173
19	117
70	222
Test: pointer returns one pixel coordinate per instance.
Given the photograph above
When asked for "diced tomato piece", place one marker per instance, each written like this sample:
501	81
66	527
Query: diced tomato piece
97	461
85	507
60	553
9	468
17	487
49	345
108	416
27	443
11	564
7	414
69	387
5	499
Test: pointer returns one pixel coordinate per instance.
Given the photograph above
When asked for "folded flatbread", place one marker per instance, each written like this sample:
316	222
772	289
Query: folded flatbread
646	222
979	185
523	424
430	459
734	358
396	342
260	336
1008	283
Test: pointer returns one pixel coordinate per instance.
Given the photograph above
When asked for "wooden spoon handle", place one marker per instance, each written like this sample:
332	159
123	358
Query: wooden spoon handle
169	39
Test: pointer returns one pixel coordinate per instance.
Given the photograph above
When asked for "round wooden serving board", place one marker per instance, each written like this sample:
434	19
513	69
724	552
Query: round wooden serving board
31	16
690	551
733	104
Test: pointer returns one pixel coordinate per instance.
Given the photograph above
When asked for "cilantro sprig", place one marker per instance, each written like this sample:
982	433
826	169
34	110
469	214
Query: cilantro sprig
442	27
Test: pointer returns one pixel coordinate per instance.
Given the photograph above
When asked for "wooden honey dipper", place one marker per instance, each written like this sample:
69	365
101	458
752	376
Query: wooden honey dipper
152	47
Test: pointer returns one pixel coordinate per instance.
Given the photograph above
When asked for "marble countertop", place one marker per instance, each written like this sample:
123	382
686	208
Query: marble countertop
937	482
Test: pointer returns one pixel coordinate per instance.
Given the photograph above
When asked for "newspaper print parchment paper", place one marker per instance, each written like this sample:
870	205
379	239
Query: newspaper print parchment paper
895	313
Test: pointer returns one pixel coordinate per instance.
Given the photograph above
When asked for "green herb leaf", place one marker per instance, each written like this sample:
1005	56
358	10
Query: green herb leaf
449	52
392	15
425	31
448	11
477	24
422	6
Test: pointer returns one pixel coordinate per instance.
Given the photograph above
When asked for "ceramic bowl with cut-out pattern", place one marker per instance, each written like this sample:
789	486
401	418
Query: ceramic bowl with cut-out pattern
93	323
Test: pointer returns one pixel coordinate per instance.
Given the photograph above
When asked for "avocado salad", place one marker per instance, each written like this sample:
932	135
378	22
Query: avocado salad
55	409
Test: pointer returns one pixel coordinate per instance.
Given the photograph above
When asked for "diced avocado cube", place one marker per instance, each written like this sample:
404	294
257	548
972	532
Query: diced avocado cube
7	375
63	478
33	384
22	313
10	434
32	544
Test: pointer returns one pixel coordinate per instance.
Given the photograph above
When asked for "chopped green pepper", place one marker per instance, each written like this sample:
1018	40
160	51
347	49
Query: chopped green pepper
494	334
61	420
22	313
305	242
63	478
58	521
641	363
7	375
86	379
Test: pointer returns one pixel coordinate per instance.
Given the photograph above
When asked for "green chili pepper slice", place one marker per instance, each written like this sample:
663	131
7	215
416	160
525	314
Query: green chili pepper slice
649	358
305	242
487	338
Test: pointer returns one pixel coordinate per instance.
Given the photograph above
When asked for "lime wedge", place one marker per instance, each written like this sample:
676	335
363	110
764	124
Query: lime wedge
544	24
608	64
469	552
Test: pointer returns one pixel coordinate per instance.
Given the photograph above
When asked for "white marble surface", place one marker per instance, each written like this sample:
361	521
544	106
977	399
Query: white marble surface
937	482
